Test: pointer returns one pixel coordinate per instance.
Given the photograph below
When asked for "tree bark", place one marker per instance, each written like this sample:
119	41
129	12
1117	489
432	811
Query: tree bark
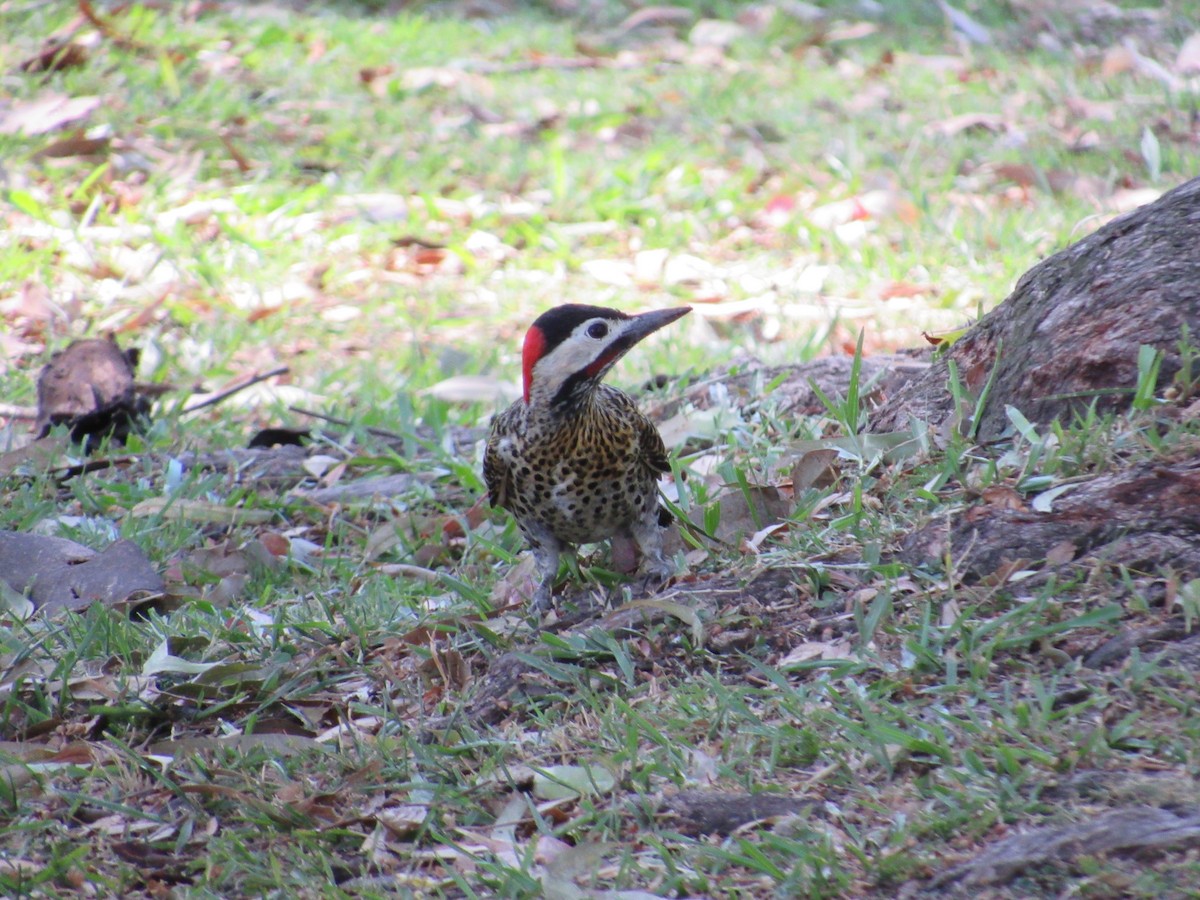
1068	335
1144	516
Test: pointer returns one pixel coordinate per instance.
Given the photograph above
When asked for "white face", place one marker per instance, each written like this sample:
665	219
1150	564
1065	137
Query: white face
577	352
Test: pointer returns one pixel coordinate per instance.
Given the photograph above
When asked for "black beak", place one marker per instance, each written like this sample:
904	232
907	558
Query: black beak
647	323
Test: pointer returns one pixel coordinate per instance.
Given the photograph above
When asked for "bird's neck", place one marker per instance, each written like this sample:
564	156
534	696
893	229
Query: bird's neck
563	400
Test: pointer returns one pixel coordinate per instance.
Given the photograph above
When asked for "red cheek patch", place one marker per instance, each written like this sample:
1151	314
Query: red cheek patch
600	362
535	346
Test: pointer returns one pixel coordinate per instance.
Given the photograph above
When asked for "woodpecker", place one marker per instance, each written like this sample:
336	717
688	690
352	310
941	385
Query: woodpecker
574	460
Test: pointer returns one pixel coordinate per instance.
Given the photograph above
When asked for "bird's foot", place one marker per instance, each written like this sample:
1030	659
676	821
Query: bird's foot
543	597
656	577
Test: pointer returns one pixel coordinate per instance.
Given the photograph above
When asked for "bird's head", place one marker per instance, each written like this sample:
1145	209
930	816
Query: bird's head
569	349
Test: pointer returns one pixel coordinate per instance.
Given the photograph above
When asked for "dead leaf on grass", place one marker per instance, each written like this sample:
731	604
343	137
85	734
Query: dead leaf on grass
613	272
810	650
753	544
40	454
162	660
814	469
375	207
12	348
376	79
938	64
19	870
223	570
77	144
449	665
681	611
747	510
182	509
516	586
715	33
1061	553
688	424
965	122
567	782
1124	58
852	31
403	821
1001	496
422	78
904	289
473	389
655	15
1007	571
1084	108
1187	62
276	544
1128	199
32	310
57	574
45	114
866	207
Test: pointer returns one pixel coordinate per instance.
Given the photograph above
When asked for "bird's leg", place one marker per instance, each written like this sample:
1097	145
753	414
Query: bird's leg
648	535
546	551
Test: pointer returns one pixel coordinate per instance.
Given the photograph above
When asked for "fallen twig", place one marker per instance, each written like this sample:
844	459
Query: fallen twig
8	411
345	423
543	63
213	399
107	30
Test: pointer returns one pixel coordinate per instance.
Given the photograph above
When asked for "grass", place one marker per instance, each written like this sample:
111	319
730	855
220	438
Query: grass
383	200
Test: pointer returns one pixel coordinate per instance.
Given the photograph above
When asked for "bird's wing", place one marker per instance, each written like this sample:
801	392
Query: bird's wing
495	468
654	454
654	451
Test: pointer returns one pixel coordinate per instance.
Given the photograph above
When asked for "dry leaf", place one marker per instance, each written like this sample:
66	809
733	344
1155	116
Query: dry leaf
55	57
77	144
753	543
855	31
715	33
615	272
403	821
565	782
655	15
1009	570
1001	496
182	509
808	650
40	454
746	511
1187	62
517	585
59	574
956	125
816	468
48	113
473	389
900	289
1061	553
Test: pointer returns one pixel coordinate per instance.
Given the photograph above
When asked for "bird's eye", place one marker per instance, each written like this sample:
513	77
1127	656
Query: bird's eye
597	330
